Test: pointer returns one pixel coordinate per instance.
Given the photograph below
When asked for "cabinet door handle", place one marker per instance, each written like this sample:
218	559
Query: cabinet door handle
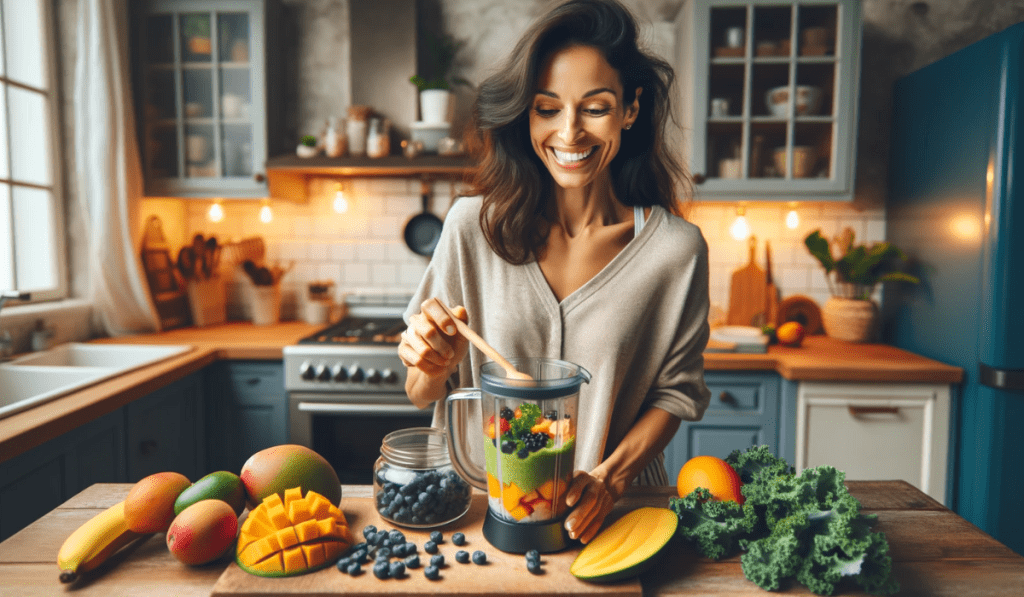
252	381
698	178
727	398
859	411
259	177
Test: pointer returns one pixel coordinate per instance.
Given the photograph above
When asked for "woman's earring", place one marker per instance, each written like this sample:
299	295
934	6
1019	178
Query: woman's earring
627	127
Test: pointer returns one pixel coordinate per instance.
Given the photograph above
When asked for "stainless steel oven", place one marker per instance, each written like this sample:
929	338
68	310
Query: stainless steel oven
346	386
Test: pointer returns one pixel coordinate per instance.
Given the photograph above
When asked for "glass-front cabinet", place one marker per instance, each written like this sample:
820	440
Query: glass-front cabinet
202	98
771	113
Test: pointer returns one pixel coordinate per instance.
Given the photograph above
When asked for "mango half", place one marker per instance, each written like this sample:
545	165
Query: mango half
292	536
626	548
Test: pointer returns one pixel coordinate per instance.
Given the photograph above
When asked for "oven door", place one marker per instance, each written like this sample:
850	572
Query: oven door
348	429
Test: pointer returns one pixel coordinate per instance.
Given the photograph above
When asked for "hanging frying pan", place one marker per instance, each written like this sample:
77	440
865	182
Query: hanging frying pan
423	230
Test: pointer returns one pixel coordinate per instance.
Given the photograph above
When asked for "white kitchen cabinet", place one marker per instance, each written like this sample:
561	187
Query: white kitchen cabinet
733	54
876	431
202	96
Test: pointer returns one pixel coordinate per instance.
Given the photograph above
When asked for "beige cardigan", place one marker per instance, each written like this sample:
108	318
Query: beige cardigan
639	326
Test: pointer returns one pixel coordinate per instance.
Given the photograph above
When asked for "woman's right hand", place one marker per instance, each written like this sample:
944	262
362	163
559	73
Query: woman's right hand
432	348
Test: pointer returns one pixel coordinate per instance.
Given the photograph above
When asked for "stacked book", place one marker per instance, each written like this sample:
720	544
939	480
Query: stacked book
737	338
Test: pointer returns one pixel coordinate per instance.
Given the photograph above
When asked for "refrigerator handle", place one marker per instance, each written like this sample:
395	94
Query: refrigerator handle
1003	379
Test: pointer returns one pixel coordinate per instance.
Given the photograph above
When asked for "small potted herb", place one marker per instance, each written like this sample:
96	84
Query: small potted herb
435	88
853	272
308	147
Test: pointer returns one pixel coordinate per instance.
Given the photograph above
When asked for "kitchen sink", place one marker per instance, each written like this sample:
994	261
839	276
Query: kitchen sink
43	376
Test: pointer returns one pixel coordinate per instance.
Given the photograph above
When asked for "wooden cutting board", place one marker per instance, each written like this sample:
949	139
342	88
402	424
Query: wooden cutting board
747	291
503	574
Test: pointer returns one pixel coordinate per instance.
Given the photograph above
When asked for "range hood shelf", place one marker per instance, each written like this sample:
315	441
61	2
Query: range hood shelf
287	175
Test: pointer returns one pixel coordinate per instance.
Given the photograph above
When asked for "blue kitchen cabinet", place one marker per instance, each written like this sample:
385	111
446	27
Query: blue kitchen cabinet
166	431
39	480
247	409
746	409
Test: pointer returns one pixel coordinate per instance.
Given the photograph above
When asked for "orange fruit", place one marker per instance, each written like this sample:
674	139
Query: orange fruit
713	474
790	333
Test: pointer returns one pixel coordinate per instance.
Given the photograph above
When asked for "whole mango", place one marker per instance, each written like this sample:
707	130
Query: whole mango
149	507
203	532
790	333
278	468
221	485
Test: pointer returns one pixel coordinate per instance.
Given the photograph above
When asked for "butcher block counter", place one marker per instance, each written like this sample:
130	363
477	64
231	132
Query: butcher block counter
934	551
819	359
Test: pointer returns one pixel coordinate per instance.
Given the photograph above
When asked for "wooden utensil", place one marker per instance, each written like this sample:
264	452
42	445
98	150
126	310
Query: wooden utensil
510	371
771	299
747	291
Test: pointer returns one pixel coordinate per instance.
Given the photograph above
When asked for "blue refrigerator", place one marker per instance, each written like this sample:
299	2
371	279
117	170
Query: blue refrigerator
956	206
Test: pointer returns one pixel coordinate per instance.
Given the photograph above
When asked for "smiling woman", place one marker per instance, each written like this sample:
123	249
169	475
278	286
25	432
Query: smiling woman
575	250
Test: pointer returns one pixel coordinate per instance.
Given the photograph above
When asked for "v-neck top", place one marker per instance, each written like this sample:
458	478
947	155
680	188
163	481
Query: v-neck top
639	326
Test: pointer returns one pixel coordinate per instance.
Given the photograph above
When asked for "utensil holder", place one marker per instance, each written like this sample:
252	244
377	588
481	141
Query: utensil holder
207	297
266	304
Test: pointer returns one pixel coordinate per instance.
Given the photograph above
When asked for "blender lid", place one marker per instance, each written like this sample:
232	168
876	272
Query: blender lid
493	381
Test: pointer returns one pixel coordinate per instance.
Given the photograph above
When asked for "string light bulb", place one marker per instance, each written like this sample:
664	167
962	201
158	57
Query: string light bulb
792	218
266	214
216	212
340	201
740	229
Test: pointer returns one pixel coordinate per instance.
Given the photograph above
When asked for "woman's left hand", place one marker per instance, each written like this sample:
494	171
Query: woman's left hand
591	499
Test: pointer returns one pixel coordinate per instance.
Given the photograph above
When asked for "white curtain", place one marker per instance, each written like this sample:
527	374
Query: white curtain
108	172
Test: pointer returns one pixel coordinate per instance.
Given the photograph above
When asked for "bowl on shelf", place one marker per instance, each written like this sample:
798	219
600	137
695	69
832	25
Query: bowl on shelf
804	159
808	100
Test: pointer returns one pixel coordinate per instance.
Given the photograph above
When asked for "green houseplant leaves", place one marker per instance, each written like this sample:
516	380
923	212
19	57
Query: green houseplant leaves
863	266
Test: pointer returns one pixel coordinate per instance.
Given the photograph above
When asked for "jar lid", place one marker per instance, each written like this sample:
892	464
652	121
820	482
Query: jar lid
416	448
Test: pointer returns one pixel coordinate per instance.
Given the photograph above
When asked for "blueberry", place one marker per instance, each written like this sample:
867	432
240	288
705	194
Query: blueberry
533	554
410	548
459	539
398	551
396	537
343	564
533	566
430	547
359	546
437	537
432	573
381	570
397	569
437	560
462	556
384	552
354	569
412	561
369	530
523	453
479	557
376	538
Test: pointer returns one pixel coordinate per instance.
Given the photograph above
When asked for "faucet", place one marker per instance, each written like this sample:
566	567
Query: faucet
6	343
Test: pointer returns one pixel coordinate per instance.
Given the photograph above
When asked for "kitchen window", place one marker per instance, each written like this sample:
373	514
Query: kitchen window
31	220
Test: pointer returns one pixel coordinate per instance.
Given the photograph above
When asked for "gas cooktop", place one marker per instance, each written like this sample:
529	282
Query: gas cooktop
359	331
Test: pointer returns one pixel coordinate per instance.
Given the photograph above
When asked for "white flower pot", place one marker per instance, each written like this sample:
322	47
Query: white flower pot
852	320
434	105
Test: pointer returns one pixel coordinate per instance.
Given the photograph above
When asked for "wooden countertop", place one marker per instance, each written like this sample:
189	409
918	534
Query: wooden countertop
934	551
819	359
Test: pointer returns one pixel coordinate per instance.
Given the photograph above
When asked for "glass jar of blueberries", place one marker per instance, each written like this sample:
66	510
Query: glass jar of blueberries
414	483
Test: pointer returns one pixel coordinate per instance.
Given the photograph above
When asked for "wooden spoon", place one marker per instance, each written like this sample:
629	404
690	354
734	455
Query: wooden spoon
510	371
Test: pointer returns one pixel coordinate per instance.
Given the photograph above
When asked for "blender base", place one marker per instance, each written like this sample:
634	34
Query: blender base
514	537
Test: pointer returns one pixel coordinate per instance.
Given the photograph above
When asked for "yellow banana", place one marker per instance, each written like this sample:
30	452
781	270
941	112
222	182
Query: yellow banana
93	542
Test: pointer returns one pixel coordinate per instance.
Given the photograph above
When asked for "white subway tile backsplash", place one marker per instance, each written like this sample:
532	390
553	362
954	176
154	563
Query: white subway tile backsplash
343	251
384	275
319	251
303	226
371	251
355	273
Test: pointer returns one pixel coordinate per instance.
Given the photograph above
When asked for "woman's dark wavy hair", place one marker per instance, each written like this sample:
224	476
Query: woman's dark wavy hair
511	178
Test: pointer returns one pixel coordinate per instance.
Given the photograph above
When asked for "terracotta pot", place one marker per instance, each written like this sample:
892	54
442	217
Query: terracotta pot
853	320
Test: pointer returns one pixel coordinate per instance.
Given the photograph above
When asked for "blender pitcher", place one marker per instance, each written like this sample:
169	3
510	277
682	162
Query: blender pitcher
529	446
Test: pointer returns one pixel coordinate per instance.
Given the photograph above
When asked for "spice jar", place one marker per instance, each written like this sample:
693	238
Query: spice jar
414	483
356	129
378	140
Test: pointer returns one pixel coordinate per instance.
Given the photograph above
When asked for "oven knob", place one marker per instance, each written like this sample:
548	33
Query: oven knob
355	374
323	373
373	376
339	372
389	376
306	370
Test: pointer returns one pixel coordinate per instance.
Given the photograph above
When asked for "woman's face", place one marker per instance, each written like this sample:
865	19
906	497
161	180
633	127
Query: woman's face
577	115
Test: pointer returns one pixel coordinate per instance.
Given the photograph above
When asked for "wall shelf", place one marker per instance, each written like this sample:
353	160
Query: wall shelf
288	175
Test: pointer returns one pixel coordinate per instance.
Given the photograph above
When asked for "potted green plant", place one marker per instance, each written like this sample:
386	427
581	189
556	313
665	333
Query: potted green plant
197	31
853	273
435	89
308	147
